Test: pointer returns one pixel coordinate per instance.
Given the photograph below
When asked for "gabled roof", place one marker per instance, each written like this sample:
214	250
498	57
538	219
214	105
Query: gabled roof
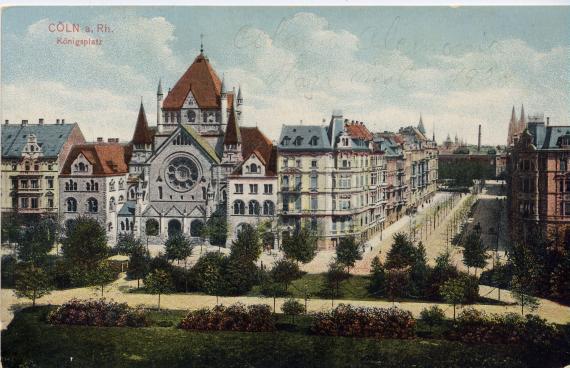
202	142
128	209
256	143
359	131
201	79
233	134
50	138
108	159
143	134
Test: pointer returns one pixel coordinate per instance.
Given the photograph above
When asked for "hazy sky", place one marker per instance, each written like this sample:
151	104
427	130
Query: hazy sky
458	67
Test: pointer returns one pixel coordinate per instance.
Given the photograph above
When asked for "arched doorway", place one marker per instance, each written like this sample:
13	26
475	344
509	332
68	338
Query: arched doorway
174	227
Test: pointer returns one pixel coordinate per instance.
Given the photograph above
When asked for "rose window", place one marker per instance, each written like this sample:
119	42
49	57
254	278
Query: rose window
181	173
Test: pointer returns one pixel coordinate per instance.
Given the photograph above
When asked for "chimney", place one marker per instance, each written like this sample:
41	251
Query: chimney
41	121
99	139
547	120
24	122
6	121
62	121
57	121
479	140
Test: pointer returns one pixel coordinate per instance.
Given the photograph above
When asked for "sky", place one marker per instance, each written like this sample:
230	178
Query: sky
457	67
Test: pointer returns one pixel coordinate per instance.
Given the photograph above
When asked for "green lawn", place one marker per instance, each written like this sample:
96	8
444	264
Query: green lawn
30	340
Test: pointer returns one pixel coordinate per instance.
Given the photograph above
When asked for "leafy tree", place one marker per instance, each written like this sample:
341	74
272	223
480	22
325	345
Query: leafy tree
210	270
247	246
85	243
284	271
402	253
419	273
216	228
292	307
397	283
474	252
457	291
127	243
100	276
158	282
12	224
526	268
239	276
334	276
36	241
32	282
301	246
521	292
442	271
178	247
139	264
348	251
377	278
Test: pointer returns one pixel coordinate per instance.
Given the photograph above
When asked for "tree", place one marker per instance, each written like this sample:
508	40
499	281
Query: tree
441	272
12	224
397	283
32	282
158	282
239	276
139	264
247	246
334	276
100	276
36	241
377	278
521	292
216	228
348	251
210	270
85	243
474	252
432	316
526	269
402	253
419	272
284	271
292	307
301	246
457	291
178	247
127	244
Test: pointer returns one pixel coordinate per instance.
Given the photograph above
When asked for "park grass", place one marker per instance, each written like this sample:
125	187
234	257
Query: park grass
30	340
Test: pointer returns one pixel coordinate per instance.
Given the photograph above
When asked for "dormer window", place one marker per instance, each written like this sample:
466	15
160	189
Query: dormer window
286	141
298	141
314	141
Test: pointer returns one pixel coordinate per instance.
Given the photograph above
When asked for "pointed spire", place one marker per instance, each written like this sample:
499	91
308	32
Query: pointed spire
233	133
513	115
239	98
421	127
142	133
159	90
201	43
223	86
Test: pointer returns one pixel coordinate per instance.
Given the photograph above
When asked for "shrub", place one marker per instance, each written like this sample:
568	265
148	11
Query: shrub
346	320
292	307
432	316
477	327
97	313
237	317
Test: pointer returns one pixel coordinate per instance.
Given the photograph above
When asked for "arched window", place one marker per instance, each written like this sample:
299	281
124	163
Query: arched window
239	207
132	193
109	226
112	204
253	168
96	187
121	199
253	207
92	205
112	185
121	184
127	224
196	228
88	186
71	205
204	194
122	225
268	208
191	116
66	186
74	185
82	167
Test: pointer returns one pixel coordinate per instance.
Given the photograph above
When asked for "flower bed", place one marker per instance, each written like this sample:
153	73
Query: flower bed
346	320
236	317
97	313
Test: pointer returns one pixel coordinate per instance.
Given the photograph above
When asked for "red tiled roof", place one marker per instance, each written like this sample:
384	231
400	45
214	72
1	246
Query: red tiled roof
142	135
201	79
106	158
255	142
232	135
357	130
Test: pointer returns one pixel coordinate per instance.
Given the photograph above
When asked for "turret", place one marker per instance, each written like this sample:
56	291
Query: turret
224	103
159	96
239	104
232	140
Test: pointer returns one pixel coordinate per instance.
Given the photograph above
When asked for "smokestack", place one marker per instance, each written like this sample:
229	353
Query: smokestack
41	121
479	140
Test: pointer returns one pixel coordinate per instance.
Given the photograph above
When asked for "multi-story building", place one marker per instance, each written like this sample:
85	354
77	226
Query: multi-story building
538	179
32	156
93	183
395	183
326	175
